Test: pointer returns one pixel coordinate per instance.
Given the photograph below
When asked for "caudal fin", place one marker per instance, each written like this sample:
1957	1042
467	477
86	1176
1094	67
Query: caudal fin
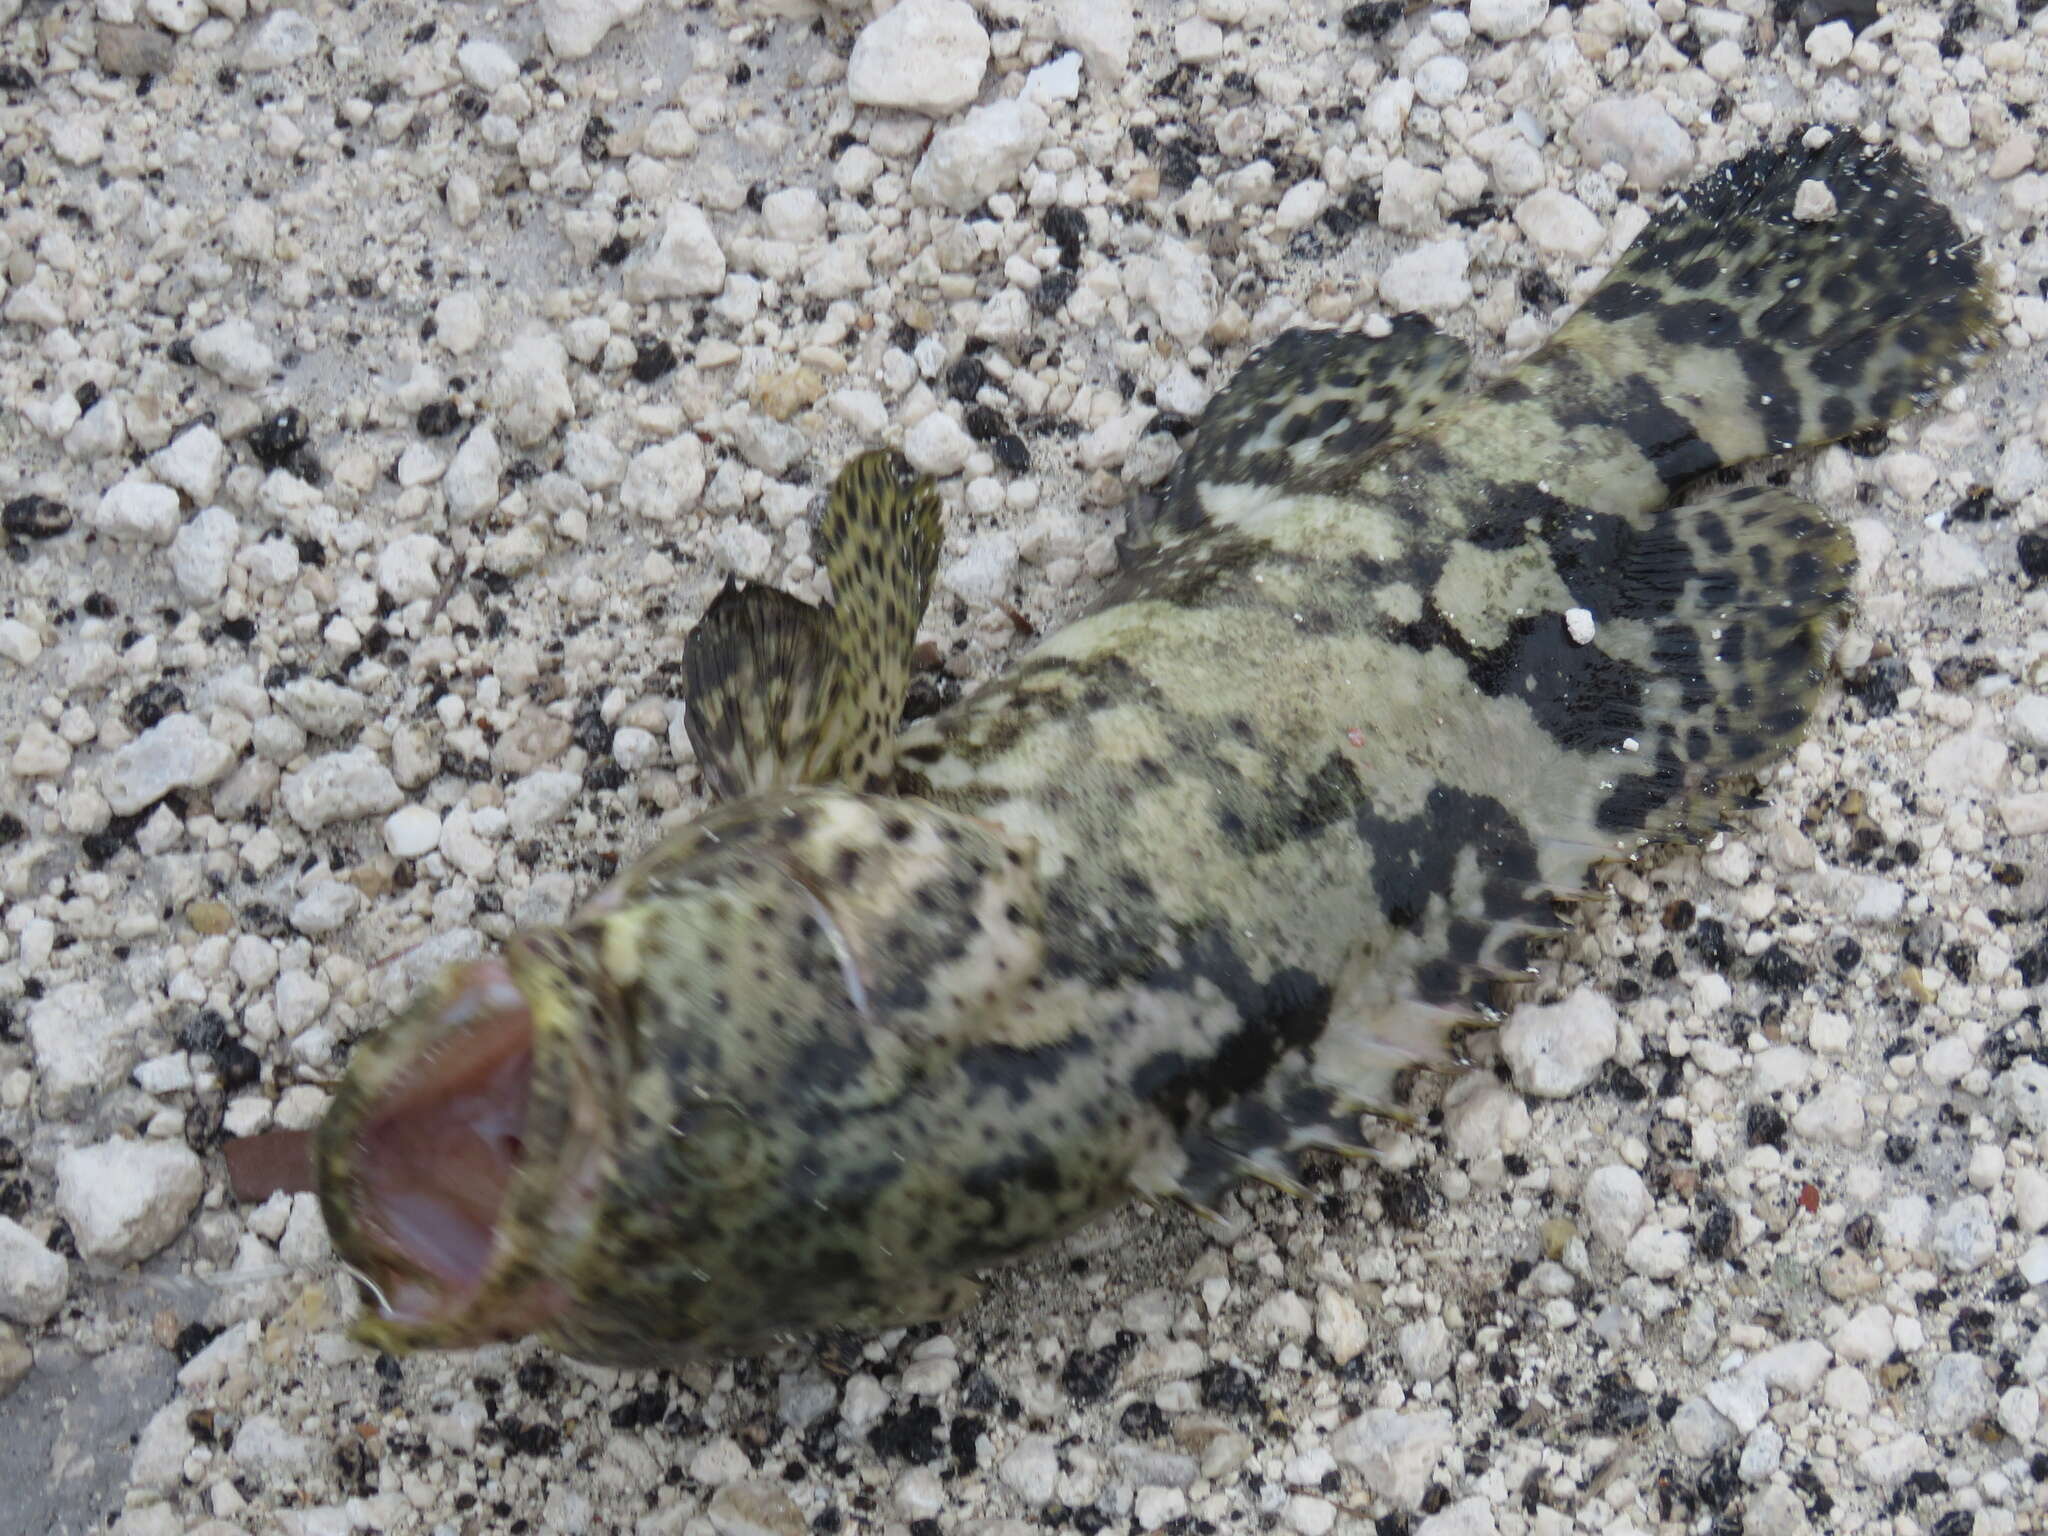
1794	296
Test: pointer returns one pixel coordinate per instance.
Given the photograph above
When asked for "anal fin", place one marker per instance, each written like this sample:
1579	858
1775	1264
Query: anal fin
1736	600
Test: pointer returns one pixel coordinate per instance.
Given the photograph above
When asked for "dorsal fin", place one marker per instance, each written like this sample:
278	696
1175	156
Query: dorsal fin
1310	410
879	540
781	693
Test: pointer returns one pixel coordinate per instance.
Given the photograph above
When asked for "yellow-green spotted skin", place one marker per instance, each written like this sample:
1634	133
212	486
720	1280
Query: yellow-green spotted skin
1191	888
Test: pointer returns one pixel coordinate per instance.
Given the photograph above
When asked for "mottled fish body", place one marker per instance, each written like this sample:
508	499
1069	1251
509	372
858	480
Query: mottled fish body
1188	891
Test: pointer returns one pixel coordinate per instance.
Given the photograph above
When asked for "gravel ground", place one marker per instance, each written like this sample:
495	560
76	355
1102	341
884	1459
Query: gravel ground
387	390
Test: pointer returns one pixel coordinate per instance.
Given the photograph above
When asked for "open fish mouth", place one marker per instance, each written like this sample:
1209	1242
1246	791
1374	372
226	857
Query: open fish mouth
434	1161
418	1175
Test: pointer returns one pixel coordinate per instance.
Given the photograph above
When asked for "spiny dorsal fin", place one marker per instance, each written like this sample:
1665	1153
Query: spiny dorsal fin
757	669
879	541
1312	408
781	693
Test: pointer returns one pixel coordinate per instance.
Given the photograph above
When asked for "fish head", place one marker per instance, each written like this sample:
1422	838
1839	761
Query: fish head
461	1146
653	1132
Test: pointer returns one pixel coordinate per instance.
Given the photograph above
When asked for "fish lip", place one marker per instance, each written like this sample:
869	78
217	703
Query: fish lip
548	1188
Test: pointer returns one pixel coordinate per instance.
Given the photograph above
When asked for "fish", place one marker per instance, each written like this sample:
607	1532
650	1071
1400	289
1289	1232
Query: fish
1202	885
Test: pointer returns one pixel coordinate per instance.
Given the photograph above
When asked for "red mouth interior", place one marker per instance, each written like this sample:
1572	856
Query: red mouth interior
433	1166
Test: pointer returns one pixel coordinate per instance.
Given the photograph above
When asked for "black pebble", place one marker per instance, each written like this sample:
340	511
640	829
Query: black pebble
34	517
1764	1126
438	418
966	379
2033	552
1375	19
652	357
277	439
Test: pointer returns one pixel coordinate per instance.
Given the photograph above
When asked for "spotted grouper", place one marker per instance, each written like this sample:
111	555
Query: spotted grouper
1199	884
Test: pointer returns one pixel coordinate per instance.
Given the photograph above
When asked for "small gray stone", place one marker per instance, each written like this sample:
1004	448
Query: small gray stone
231	350
982	154
284	38
340	787
921	55
1638	134
1965	1234
138	511
1557	1050
1959	1394
1394	1454
33	1280
127	1200
178	752
202	553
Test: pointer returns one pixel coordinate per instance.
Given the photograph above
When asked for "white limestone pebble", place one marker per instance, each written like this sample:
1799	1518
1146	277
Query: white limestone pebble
1394	1454
471	480
284	38
339	787
1813	203
1467	1517
539	799
138	511
1558	1049
1579	626
687	260
231	350
325	907
980	155
1638	134
193	461
1340	1325
411	832
79	1045
664	480
1032	1470
1560	225
984	574
575	27
202	553
1965	1234
938	445
2024	1086
1829	45
921	56
158	1464
529	388
1429	279
264	1446
19	643
1181	287
1615	1202
1103	31
405	568
1442	80
127	1200
178	752
459	323
1949	563
1506	20
33	1280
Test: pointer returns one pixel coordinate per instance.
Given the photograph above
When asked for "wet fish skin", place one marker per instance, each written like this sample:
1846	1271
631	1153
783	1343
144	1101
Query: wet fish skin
1200	881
